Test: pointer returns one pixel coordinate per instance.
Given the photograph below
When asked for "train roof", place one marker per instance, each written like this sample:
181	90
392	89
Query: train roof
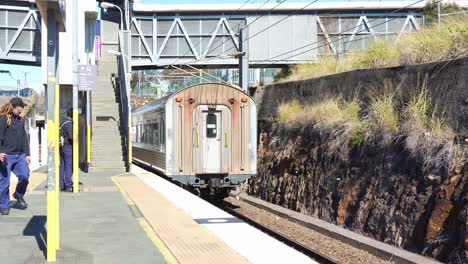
161	102
154	105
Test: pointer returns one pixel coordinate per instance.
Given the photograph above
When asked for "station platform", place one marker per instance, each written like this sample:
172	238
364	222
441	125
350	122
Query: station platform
134	217
96	226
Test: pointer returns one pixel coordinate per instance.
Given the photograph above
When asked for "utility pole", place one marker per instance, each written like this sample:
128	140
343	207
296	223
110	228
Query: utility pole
53	161
75	119
244	59
26	79
438	12
18	84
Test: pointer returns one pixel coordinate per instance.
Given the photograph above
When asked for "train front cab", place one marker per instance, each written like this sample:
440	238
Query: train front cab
214	137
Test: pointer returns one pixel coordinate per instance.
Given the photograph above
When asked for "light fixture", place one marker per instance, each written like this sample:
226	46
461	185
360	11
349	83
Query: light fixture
109	5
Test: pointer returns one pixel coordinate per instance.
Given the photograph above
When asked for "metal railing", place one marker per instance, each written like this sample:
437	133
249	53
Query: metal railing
124	71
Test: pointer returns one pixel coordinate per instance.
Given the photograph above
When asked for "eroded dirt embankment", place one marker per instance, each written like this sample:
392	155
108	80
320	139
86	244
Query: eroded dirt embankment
379	190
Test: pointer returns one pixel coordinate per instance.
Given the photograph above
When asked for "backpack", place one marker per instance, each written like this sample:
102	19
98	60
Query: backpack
62	138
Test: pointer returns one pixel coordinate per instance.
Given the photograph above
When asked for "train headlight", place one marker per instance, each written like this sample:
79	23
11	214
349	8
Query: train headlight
244	99
178	99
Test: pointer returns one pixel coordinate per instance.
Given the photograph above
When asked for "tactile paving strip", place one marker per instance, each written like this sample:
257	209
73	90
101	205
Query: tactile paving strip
188	241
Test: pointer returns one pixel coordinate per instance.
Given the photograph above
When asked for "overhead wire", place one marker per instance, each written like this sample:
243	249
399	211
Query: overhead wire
238	29
169	65
203	72
214	29
198	44
249	24
180	69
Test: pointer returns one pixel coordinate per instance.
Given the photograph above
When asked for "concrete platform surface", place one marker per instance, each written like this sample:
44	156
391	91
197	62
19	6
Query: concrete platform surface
97	226
250	243
188	241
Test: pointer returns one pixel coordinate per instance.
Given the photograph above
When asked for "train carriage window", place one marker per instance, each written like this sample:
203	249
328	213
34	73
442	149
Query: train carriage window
155	130
136	134
162	130
147	134
211	125
142	135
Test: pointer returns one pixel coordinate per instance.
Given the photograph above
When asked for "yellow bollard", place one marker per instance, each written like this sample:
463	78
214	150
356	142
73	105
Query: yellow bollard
51	241
51	197
88	141
75	151
56	141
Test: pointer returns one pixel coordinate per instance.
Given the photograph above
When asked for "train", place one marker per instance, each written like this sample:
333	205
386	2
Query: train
203	137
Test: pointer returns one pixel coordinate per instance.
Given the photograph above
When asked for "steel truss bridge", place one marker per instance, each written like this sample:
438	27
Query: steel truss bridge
208	35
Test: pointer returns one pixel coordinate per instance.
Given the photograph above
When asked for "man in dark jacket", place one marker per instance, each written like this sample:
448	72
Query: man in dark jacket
14	154
66	152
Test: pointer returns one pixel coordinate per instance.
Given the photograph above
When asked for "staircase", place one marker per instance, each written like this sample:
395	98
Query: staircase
107	143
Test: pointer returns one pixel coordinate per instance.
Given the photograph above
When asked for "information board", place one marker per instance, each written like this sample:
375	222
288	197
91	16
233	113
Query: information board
87	77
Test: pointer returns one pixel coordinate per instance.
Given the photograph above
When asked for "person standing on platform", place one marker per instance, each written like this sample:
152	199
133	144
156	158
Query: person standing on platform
66	152
14	154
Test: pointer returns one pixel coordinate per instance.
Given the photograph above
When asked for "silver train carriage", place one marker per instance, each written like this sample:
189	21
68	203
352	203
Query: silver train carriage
204	137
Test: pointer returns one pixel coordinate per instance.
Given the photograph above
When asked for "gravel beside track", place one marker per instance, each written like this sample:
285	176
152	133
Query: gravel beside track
334	249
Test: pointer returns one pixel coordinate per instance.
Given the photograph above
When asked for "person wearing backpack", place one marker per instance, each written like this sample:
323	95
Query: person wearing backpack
14	154
66	152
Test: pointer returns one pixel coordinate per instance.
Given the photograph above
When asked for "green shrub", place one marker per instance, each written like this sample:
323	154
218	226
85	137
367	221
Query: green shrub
430	10
352	110
359	133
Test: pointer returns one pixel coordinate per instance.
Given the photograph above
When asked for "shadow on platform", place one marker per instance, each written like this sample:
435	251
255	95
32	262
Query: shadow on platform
36	228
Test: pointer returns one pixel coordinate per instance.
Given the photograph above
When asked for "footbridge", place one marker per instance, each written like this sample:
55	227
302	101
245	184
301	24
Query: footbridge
210	35
20	33
282	33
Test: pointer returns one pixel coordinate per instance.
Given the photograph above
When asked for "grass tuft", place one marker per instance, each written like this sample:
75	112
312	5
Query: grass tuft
379	54
426	134
344	127
383	114
288	112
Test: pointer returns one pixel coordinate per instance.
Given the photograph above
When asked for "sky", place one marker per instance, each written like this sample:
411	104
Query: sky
34	76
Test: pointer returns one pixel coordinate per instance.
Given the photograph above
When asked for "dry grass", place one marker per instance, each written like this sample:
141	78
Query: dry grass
430	44
379	54
288	112
325	66
328	113
383	115
426	134
343	126
434	44
333	118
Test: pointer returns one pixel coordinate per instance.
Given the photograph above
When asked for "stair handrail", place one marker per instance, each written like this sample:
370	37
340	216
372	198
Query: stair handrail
124	71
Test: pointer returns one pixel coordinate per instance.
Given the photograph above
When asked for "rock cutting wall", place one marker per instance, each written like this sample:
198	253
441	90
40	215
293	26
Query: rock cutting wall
380	191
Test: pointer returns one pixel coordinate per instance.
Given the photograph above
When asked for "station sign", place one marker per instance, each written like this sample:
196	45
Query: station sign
87	77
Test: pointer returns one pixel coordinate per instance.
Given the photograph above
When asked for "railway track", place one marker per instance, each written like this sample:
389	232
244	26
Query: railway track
229	208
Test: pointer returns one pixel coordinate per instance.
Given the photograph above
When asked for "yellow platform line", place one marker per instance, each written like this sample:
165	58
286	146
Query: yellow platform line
42	177
168	256
35	179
